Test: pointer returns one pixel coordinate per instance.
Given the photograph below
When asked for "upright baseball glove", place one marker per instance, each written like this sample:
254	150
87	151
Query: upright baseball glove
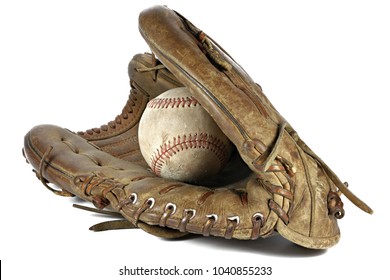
148	79
274	182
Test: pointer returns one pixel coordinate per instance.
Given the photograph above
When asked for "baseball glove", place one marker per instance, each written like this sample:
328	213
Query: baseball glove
274	182
148	79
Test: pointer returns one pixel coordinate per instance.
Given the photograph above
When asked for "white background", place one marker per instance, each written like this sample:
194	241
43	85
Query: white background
323	64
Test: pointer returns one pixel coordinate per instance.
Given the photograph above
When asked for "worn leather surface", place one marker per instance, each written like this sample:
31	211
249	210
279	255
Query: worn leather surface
273	184
247	117
119	136
139	195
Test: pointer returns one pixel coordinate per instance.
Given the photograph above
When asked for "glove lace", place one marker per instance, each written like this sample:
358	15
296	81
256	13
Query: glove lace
119	119
88	183
40	176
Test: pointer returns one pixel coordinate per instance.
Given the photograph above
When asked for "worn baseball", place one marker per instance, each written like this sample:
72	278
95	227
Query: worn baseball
179	140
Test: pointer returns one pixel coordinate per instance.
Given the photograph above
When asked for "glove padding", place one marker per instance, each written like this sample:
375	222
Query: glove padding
282	187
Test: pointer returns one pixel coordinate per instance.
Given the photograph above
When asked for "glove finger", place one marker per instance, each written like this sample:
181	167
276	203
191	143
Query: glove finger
119	137
299	183
239	210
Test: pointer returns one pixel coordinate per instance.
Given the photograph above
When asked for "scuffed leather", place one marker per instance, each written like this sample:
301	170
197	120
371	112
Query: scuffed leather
247	117
273	184
120	137
73	160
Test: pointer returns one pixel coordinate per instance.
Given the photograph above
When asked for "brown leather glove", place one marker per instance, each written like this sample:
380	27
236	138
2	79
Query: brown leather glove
148	79
274	183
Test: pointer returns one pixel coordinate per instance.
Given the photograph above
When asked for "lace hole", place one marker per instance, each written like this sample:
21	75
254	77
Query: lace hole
212	217
170	207
150	202
190	213
234	219
133	198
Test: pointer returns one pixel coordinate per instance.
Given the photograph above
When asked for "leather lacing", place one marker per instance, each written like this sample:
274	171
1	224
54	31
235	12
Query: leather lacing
265	162
211	220
147	204
120	119
258	222
278	190
264	165
335	205
104	185
188	214
88	183
156	65
233	222
131	102
342	187
170	209
45	182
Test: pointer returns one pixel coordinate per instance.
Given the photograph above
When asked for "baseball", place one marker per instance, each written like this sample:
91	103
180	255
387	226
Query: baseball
179	139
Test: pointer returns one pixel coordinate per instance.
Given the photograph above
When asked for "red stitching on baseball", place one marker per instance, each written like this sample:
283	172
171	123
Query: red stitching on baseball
175	102
185	142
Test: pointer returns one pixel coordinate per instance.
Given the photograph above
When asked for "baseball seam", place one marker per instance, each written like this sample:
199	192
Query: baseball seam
175	102
185	142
